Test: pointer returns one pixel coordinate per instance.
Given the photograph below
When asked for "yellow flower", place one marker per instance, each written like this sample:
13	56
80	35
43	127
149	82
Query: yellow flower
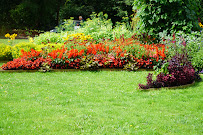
31	40
7	35
200	24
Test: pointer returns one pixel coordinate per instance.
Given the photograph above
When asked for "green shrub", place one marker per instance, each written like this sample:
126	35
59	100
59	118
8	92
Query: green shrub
49	37
197	60
26	46
5	52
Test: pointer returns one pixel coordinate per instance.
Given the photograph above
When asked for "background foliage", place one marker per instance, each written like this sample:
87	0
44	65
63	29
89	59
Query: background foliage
45	14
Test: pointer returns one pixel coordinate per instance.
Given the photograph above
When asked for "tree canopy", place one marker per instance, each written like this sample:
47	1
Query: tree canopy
45	14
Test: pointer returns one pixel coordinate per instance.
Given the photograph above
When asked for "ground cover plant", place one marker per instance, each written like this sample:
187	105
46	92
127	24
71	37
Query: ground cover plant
95	103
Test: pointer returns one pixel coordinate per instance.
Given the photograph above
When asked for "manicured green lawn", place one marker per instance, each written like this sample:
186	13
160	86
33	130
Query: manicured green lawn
16	41
96	103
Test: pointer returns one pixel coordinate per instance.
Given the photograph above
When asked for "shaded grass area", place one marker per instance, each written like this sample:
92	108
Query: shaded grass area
95	103
16	41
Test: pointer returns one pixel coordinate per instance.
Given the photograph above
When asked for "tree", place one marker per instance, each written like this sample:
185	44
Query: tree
173	15
6	21
45	14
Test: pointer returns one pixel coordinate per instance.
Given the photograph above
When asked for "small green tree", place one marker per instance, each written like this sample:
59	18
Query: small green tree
167	15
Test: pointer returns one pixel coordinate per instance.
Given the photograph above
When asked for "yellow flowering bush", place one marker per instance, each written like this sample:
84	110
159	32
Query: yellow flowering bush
80	37
5	52
26	46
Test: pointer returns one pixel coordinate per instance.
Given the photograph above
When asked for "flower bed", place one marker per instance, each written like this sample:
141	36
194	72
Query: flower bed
74	54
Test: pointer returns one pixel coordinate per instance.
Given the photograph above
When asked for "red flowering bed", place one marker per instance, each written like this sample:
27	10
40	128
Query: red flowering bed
119	53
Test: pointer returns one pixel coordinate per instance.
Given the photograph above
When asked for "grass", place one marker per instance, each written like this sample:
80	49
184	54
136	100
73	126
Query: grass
16	41
1	64
96	103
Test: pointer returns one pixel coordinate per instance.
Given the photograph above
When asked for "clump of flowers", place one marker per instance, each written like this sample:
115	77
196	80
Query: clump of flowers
12	37
200	24
81	37
31	40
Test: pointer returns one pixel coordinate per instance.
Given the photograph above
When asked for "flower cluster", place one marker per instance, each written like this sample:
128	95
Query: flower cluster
22	63
78	37
12	37
200	24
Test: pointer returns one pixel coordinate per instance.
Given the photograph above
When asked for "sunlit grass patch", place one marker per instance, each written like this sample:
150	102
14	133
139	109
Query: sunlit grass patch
95	103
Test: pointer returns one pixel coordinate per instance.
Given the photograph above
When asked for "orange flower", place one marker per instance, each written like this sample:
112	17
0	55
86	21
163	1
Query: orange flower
81	52
107	49
122	54
60	55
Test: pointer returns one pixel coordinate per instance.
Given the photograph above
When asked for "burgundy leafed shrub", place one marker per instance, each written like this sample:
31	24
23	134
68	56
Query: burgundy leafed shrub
180	72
